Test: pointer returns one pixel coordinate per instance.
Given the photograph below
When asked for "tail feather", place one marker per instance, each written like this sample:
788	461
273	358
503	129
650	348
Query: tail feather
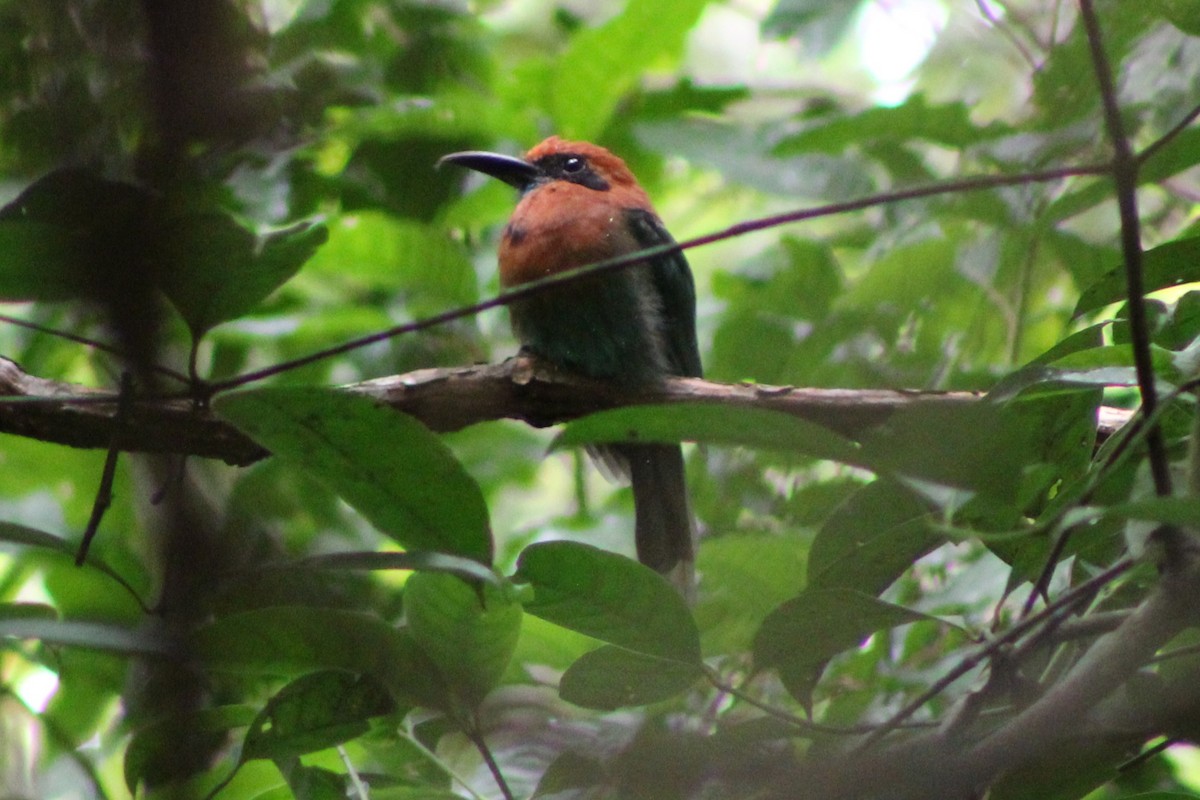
665	532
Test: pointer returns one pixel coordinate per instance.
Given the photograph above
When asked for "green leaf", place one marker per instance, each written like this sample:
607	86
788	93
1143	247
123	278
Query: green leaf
292	640
570	771
215	270
377	251
798	637
385	464
744	576
610	598
469	633
314	712
153	754
612	677
39	261
416	561
871	539
313	783
980	447
1181	511
1171	264
30	537
948	124
603	63
714	424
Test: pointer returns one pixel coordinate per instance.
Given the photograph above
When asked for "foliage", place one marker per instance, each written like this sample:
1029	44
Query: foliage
214	188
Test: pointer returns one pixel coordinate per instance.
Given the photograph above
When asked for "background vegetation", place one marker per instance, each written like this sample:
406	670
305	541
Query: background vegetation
210	188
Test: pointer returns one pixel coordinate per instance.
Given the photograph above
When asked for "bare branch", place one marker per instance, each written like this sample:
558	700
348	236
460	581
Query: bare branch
446	399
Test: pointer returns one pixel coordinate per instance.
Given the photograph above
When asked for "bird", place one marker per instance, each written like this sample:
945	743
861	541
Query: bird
579	204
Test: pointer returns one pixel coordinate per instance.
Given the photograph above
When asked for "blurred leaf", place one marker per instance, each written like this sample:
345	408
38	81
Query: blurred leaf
30	611
743	577
87	634
433	562
570	771
1171	264
820	23
469	632
313	783
714	424
801	635
154	754
387	465
313	712
289	641
609	597
38	261
380	252
603	63
947	124
215	270
612	677
29	537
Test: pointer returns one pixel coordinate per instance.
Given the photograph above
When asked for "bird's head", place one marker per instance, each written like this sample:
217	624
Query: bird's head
555	159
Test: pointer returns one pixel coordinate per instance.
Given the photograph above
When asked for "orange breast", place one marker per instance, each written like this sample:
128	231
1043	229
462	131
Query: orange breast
560	226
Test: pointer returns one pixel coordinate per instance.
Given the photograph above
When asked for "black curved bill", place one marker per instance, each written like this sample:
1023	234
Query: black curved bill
513	171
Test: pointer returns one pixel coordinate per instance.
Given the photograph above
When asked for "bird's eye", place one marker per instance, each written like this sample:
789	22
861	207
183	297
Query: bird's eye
573	164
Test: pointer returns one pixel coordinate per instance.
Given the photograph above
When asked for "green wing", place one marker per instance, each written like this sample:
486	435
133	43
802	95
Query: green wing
676	290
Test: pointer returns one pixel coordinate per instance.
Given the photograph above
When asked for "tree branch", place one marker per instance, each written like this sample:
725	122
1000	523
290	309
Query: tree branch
445	399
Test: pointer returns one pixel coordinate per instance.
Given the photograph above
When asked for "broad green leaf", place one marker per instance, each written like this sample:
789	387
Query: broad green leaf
313	783
1182	511
743	577
469	632
570	771
612	677
385	464
610	598
313	712
798	637
23	536
289	641
39	261
215	270
714	424
870	540
603	63
1171	264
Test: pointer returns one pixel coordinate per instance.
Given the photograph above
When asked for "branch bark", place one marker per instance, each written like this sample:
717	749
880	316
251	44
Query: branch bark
444	399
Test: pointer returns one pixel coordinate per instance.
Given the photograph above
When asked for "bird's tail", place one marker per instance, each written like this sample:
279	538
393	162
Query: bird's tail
665	532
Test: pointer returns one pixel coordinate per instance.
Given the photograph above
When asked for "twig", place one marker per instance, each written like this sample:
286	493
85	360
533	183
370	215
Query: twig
92	343
356	783
1124	169
1076	595
481	745
792	720
405	733
104	493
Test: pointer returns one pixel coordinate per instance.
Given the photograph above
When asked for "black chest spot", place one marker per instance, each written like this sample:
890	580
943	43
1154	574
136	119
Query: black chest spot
514	233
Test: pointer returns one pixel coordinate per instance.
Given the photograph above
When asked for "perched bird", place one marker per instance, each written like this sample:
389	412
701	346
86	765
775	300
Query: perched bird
580	204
